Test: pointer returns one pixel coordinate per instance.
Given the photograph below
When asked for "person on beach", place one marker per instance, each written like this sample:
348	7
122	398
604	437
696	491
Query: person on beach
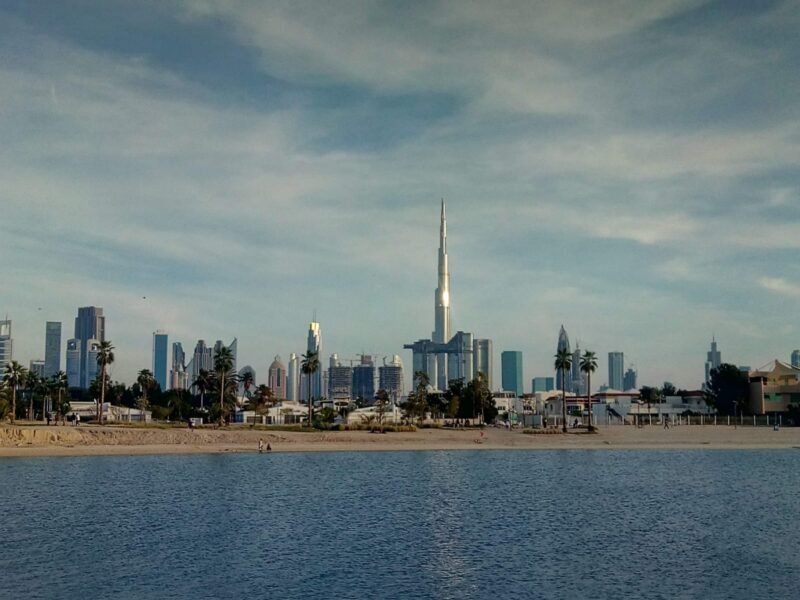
260	445
77	419
666	423
269	448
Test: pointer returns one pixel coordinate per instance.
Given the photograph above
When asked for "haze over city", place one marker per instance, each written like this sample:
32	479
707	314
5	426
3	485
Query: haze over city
629	170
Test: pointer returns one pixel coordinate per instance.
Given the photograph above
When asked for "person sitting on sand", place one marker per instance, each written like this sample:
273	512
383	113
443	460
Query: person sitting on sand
269	448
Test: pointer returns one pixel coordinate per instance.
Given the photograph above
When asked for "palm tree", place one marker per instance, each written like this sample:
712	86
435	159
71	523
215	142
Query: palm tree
223	365
589	366
60	384
14	377
105	357
32	385
563	364
246	379
308	367
145	380
202	384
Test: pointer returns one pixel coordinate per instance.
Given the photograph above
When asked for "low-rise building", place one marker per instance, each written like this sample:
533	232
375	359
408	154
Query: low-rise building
774	389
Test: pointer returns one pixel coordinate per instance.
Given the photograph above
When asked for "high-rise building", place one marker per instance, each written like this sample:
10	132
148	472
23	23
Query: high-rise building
276	379
90	326
201	360
6	344
543	384
441	357
629	381
92	368
577	383
459	357
441	331
37	368
364	379
482	359
160	346
563	382
178	375
52	348
616	370
390	378
74	363
796	358
314	344
713	359
511	367
340	381
293	379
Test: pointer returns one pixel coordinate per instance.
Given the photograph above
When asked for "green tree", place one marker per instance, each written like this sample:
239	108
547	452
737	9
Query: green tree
176	403
14	377
417	404
326	415
589	366
308	366
563	364
60	385
263	398
381	404
202	384
223	365
33	385
650	395
146	381
727	390
105	357
668	390
477	397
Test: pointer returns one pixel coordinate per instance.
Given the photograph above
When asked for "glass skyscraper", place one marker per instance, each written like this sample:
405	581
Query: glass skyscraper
713	359
482	359
160	353
6	344
511	366
52	348
90	327
616	370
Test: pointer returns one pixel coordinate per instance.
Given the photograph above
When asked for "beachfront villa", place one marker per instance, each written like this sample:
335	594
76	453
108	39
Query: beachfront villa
773	390
111	413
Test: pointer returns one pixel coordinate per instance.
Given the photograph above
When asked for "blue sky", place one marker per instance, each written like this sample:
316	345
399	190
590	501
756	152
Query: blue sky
630	169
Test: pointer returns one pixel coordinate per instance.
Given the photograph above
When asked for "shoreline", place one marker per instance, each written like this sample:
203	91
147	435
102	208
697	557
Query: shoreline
54	441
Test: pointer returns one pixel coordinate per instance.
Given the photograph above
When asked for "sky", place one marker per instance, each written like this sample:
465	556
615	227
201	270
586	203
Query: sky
629	168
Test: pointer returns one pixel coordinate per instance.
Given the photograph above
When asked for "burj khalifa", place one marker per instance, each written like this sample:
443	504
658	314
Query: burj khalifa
441	332
446	356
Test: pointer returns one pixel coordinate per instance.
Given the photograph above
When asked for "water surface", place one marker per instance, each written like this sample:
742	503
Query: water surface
545	524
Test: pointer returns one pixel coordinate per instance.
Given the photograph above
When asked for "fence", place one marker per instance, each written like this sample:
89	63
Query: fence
693	420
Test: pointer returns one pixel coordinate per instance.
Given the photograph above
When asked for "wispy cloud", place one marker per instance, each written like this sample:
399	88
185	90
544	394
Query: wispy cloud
616	167
780	286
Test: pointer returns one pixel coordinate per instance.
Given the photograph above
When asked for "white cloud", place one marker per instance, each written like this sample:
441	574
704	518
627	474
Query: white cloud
781	286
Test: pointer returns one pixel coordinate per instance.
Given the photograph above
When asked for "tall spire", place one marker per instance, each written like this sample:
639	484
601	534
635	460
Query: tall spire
441	304
443	230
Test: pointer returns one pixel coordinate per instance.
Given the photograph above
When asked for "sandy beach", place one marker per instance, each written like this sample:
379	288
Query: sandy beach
39	440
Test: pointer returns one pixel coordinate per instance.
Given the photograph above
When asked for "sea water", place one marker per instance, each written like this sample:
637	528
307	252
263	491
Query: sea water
482	524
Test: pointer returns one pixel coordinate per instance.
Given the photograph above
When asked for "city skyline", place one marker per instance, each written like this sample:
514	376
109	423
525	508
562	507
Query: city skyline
629	171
